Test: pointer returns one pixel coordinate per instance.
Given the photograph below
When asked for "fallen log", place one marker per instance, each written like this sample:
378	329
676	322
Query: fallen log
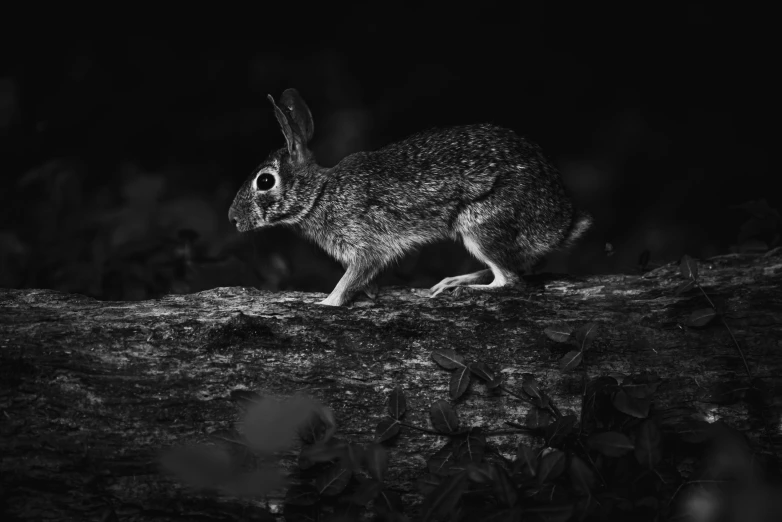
93	391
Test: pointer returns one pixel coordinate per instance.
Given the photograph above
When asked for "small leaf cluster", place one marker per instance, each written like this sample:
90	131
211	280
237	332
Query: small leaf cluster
341	478
461	371
582	338
574	469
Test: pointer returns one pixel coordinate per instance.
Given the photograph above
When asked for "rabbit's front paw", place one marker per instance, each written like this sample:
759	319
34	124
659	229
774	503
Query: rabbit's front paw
330	301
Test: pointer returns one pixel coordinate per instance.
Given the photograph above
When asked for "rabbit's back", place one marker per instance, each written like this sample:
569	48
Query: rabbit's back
447	163
416	190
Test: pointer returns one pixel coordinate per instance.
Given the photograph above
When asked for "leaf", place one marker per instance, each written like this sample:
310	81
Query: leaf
444	498
301	495
293	513
486	373
428	483
610	443
724	393
641	386
586	506
312	430
397	404
257	483
551	466
231	436
586	335
701	317
353	456
505	515
245	397
366	492
647	503
480	473
628	405
542	402
473	447
460	379
458	467
685	286
526	462
694	431
321	452
549	513
559	429
303	461
441	462
689	267
199	466
504	490
319	415
386	429
333	480
636	391
388	502
581	476
443	417
647	445
448	359
560	334
538	418
271	425
376	458
531	388
570	361
548	493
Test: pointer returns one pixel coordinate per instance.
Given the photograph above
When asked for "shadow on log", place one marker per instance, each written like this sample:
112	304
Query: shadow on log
92	391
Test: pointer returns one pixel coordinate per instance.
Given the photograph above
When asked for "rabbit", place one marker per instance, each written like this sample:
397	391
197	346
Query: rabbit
481	184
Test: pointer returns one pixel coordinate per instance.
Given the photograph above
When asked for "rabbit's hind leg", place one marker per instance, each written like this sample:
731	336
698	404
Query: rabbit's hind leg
494	277
462	280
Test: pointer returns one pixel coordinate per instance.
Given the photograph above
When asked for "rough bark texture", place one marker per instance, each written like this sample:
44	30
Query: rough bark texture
91	391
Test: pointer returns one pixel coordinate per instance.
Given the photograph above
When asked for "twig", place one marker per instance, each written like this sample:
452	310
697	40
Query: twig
425	430
584	394
722	320
589	457
519	429
551	405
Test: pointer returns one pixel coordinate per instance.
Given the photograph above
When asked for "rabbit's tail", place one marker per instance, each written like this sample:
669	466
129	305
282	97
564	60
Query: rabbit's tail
581	222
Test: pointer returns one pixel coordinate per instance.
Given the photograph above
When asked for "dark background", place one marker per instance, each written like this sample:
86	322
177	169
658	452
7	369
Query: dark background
121	153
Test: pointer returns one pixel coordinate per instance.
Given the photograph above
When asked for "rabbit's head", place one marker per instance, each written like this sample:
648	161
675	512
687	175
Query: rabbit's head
282	188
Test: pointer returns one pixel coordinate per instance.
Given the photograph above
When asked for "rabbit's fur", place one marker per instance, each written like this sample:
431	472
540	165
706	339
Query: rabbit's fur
481	184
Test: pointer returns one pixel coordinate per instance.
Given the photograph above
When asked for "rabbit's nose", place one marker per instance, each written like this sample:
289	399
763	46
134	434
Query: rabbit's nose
232	215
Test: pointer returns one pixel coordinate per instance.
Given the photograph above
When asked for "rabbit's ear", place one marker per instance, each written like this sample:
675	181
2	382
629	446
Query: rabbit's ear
295	121
294	103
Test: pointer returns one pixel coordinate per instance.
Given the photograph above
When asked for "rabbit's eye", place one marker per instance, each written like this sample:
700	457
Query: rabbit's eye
264	182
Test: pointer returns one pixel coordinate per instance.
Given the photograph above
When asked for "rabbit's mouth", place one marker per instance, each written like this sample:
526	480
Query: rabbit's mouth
242	226
246	225
243	222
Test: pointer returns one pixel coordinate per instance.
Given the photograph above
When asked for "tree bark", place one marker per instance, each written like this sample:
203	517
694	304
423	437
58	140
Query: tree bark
92	391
